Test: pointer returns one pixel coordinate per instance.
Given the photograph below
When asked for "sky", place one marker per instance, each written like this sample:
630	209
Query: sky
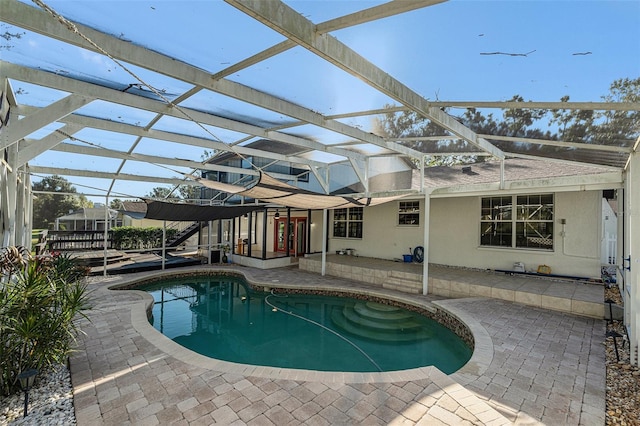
458	50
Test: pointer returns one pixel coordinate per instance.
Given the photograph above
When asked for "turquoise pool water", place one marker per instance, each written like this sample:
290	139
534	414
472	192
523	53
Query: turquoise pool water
222	318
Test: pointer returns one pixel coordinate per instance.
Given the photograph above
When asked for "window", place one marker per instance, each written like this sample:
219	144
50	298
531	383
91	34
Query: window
530	227
347	223
409	213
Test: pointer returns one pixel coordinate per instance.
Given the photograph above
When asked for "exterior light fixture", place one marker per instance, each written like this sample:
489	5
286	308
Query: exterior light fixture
277	215
27	379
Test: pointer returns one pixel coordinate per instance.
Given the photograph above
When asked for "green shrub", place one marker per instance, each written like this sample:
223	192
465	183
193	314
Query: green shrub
40	300
134	238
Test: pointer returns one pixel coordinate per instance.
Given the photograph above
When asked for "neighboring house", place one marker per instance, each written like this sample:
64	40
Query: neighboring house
89	219
544	214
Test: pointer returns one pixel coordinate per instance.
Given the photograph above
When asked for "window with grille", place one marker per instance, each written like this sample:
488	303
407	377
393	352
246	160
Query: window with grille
518	221
409	213
347	223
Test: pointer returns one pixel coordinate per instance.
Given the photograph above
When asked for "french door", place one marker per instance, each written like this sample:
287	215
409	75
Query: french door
295	233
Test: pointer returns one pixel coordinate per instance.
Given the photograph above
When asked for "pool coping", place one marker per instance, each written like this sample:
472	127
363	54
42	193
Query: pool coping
478	363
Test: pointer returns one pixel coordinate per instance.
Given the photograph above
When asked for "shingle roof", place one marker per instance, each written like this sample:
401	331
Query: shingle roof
516	169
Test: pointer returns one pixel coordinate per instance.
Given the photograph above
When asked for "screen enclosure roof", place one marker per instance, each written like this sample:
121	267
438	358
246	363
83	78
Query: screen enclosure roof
127	96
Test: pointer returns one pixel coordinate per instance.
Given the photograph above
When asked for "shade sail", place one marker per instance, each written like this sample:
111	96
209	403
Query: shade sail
163	210
271	190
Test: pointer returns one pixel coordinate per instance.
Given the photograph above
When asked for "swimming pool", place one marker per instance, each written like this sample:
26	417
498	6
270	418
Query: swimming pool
223	318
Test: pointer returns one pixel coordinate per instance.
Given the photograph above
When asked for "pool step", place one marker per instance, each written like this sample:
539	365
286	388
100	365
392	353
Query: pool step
379	322
403	281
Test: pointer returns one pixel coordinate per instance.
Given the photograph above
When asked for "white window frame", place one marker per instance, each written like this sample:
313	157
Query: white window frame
408	209
349	222
538	233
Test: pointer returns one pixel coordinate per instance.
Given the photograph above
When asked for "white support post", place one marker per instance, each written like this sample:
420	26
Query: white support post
209	235
425	243
164	244
324	242
11	197
28	206
422	173
105	237
4	202
21	238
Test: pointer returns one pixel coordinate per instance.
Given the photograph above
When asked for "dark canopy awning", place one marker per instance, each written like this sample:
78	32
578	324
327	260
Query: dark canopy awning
163	210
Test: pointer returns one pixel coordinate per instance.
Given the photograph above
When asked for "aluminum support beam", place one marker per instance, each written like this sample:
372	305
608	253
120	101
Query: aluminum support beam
38	21
371	14
43	117
294	26
110	95
106	175
28	150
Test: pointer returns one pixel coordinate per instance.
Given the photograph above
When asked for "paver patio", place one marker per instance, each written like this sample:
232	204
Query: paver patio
531	366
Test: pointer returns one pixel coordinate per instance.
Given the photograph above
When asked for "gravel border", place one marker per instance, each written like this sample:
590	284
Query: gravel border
50	401
623	379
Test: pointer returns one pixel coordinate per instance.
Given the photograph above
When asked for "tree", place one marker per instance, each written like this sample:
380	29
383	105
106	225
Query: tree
573	125
184	192
48	206
517	122
159	192
586	126
616	127
408	124
189	192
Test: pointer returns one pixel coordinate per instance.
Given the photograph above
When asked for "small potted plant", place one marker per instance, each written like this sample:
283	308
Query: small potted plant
225	250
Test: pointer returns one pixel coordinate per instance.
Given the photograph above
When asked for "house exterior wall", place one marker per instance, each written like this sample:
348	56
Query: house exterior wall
455	235
454	238
381	236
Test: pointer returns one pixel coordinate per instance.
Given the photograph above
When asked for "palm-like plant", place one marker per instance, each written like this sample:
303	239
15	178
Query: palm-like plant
40	301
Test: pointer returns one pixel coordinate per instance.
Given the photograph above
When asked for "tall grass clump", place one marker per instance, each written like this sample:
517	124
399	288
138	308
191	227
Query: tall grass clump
41	299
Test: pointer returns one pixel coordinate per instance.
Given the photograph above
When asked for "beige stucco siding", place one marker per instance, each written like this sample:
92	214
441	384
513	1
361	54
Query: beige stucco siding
454	236
382	237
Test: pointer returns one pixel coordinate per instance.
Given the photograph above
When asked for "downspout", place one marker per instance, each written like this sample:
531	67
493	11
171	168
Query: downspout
502	173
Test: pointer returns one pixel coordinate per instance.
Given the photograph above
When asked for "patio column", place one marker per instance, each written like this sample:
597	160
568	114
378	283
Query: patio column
105	236
10	192
323	268
425	242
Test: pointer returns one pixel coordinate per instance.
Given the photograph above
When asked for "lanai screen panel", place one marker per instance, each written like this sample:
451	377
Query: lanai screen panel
185	72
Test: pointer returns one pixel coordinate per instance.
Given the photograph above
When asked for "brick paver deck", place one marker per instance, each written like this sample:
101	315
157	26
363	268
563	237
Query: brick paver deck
531	366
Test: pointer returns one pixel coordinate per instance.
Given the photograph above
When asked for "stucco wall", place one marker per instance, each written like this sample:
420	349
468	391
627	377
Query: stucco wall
382	237
454	236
